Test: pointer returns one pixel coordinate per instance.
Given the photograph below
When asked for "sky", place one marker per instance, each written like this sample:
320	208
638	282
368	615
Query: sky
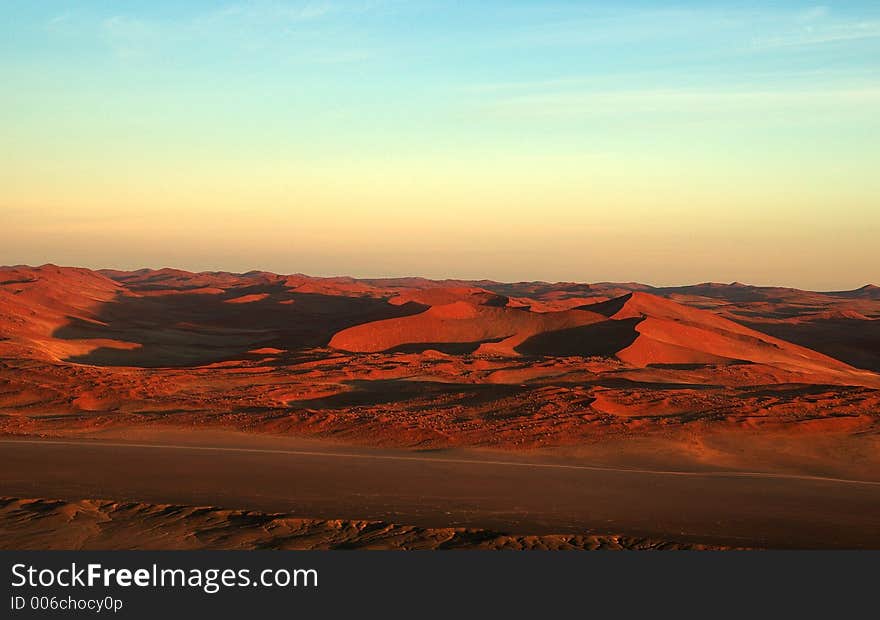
666	143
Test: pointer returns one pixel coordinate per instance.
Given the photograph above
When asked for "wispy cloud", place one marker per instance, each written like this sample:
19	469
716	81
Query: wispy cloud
58	20
821	34
702	61
276	13
129	37
713	26
664	101
250	26
623	25
813	14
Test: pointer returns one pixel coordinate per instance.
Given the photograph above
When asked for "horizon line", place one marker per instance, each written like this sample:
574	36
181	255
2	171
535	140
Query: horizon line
735	283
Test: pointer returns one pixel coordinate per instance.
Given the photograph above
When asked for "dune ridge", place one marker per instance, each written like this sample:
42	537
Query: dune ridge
416	362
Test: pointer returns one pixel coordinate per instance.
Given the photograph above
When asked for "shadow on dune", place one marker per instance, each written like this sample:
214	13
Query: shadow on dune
788	391
187	329
856	342
365	393
450	348
608	308
605	338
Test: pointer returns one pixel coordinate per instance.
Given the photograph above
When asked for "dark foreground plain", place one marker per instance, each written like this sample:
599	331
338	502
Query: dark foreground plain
450	489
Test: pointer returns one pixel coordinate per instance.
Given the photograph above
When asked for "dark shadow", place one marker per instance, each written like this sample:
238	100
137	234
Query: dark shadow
669	366
853	341
789	391
450	348
366	393
186	329
499	301
17	281
602	339
628	383
539	289
607	308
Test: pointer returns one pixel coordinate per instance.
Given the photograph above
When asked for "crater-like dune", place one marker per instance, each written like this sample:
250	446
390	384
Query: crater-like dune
459	327
638	328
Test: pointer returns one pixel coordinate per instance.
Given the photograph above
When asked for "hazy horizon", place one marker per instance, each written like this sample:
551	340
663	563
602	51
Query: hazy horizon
661	143
405	275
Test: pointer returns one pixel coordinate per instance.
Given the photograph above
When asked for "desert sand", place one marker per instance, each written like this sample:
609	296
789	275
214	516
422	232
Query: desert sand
704	376
106	525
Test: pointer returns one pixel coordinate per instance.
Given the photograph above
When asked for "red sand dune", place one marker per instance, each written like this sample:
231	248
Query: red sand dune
34	302
675	334
410	361
638	328
438	296
459	326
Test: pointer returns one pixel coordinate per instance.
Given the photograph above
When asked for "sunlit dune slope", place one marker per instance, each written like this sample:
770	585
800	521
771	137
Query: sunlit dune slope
638	328
37	301
459	327
415	362
173	317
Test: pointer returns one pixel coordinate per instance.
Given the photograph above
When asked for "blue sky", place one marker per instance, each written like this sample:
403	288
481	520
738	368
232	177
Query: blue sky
514	140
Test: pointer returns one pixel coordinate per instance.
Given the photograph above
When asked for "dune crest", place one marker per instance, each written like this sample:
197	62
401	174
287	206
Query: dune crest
416	362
